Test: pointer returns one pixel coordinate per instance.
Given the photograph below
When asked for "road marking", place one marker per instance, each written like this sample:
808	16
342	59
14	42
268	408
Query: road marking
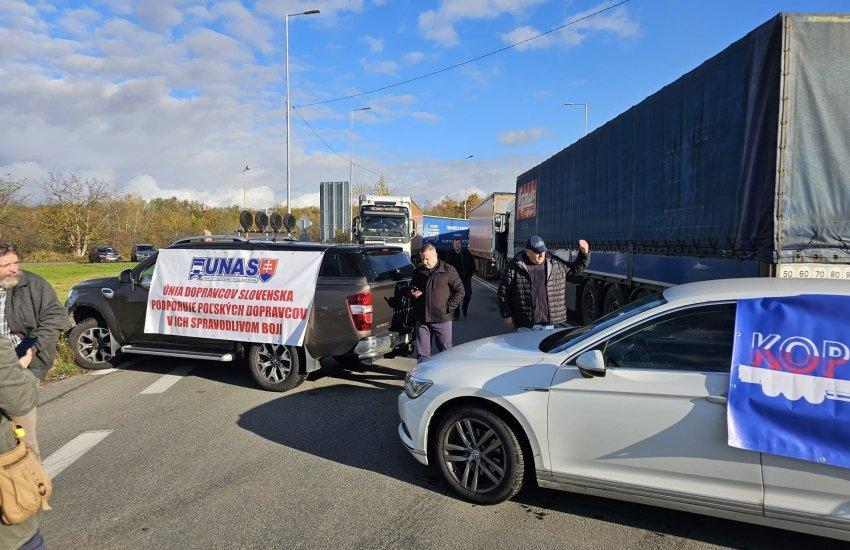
71	451
168	380
485	283
101	372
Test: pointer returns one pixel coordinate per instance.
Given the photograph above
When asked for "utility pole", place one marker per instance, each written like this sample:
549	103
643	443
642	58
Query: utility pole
465	215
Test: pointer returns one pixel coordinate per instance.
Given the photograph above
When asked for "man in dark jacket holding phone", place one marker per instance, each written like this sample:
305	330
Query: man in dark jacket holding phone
437	291
29	308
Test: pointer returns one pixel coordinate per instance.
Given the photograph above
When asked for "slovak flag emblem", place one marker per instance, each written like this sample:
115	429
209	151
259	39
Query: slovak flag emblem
268	268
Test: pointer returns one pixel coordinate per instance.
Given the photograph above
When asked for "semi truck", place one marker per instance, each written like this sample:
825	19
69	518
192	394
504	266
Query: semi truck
489	227
441	232
740	168
390	220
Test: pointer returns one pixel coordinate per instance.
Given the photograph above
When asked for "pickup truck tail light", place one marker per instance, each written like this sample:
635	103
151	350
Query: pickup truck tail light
360	309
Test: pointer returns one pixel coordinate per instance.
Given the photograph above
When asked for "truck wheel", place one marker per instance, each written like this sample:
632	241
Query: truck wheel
275	367
614	299
590	302
91	345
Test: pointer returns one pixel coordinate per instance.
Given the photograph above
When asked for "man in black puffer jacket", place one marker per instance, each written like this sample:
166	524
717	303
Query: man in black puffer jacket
532	291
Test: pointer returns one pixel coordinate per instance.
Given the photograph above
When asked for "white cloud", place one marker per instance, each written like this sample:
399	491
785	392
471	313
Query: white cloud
520	34
426	116
513	138
158	15
617	22
376	45
242	24
413	58
439	25
379	67
19	15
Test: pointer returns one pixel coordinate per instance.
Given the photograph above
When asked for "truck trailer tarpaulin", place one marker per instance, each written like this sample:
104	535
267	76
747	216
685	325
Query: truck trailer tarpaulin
738	168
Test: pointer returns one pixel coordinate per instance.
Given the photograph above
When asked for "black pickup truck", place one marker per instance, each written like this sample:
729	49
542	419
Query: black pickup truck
361	311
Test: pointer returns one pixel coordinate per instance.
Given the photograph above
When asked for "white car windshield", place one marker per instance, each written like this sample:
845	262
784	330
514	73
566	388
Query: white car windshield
562	339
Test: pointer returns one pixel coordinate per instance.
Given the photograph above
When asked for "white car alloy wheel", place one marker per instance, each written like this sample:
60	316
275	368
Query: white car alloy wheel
479	455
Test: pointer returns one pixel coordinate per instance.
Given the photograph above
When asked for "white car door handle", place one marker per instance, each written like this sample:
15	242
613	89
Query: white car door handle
716	399
108	292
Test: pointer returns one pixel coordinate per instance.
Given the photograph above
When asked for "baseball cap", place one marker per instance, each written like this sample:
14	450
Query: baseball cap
536	244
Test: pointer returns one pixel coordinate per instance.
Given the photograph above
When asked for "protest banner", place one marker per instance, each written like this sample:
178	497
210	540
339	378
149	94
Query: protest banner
261	296
789	388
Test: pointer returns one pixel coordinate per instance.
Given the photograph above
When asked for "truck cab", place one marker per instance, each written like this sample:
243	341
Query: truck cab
387	220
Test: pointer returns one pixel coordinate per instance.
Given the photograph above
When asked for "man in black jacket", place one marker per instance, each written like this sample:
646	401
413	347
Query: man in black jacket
532	291
437	291
29	308
461	259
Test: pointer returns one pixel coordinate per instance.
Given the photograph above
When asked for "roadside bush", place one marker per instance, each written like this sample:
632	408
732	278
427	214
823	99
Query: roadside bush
64	365
39	256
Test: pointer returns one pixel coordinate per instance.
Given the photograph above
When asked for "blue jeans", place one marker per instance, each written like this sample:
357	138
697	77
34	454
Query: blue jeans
35	543
442	333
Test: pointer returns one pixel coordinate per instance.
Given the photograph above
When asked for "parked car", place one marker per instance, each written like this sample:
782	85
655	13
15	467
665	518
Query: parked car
360	312
104	254
631	407
142	252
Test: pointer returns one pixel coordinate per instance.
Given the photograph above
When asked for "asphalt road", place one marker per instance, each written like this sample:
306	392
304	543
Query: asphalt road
206	460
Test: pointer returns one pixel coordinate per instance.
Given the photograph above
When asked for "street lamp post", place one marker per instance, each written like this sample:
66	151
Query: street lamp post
244	189
288	172
465	215
585	112
351	147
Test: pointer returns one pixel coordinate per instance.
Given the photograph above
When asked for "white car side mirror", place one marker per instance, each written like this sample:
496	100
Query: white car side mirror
591	363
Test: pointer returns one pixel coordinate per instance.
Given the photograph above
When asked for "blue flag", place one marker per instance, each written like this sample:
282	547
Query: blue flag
789	389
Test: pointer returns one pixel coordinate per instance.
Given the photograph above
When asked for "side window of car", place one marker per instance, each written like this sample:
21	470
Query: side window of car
330	265
694	339
146	276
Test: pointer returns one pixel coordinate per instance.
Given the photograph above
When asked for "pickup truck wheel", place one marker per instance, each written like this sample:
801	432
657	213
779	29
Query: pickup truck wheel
92	346
275	367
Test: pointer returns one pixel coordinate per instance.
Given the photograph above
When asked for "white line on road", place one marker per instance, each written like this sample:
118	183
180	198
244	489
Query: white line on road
101	372
71	451
168	380
485	283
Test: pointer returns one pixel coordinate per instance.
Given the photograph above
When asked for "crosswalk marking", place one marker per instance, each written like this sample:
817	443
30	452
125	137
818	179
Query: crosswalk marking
168	380
71	451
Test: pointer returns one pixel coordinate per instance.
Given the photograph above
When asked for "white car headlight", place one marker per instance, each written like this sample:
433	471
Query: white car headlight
415	386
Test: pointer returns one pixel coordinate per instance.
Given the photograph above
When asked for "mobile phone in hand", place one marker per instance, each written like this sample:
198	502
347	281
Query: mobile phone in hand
26	343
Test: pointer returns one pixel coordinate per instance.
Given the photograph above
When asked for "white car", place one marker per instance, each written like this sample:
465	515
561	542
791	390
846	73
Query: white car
631	407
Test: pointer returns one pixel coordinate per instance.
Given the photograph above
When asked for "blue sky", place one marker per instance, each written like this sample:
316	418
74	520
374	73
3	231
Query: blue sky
175	97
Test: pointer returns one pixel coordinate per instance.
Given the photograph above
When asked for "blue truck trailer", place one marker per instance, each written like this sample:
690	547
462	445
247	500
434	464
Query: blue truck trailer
441	232
740	168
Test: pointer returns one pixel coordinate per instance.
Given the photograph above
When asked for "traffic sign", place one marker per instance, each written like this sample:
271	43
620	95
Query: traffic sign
304	223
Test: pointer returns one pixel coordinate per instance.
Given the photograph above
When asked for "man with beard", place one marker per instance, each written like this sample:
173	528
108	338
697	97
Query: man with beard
29	308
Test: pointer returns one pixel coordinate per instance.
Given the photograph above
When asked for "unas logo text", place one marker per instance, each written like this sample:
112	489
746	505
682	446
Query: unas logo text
234	270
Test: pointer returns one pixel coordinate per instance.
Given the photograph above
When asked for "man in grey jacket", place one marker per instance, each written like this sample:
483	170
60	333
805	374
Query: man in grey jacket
18	401
29	308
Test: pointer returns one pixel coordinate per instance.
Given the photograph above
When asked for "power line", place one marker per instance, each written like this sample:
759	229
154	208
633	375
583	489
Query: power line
364	168
467	62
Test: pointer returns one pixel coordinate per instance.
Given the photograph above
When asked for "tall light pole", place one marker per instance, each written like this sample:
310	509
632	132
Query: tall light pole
351	147
286	33
585	112
465	215
244	189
